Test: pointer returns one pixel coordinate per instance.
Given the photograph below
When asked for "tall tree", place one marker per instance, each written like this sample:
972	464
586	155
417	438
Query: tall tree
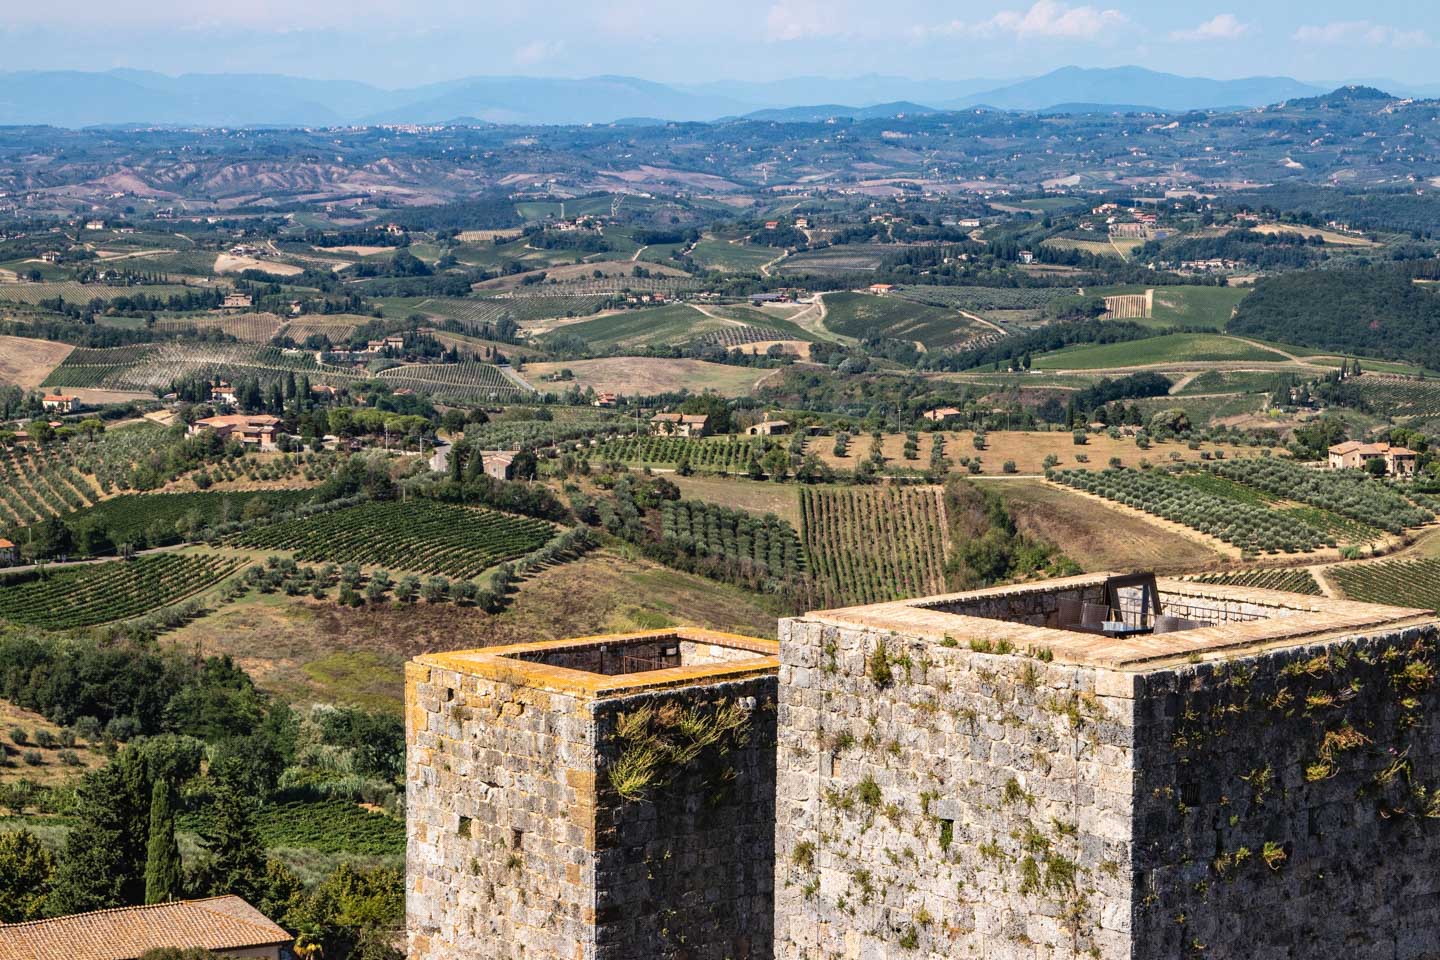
236	861
163	872
25	871
104	860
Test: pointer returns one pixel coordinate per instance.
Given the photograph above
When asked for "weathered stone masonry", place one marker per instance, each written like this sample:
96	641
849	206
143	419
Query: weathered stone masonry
956	778
610	797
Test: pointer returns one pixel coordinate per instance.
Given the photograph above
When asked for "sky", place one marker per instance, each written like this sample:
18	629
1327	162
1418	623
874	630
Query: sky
392	44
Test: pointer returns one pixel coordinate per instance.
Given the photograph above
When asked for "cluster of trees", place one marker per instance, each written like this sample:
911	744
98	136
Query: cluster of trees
1050	337
989	548
1377	311
198	740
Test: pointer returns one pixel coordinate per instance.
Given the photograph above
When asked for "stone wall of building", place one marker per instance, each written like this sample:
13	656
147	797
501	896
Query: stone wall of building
500	793
935	801
1286	804
550	826
687	869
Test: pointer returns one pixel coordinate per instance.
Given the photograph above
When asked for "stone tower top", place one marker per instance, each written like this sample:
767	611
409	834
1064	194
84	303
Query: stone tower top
1131	622
617	664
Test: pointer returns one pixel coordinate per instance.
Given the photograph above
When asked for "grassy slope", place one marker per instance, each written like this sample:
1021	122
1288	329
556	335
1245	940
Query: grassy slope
732	257
674	323
858	314
307	651
1173	348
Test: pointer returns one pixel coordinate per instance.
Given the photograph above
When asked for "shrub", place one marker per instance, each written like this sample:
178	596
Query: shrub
69	757
1010	467
45	739
19	736
33	758
1079	438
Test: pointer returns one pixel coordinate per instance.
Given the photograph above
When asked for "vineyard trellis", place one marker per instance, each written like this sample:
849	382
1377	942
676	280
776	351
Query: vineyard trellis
93	594
1285	579
871	544
1244	525
716	454
420	536
1402	583
706	530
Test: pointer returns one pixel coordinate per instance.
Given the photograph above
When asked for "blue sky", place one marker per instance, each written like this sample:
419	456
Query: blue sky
399	44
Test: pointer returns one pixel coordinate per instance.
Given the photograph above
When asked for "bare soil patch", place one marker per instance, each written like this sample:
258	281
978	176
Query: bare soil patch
229	263
649	375
26	363
1098	537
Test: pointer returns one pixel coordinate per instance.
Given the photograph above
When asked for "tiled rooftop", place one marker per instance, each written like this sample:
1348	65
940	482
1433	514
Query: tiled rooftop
219	924
1235	619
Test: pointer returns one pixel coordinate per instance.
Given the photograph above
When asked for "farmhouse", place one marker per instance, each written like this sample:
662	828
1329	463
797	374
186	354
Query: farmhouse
223	392
234	301
1353	455
681	424
941	414
95	225
258	431
499	464
768	428
60	403
1027	257
51	256
881	288
9	553
605	400
225	926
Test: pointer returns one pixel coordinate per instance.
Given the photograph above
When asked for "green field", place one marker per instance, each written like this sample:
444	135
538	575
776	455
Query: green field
1172	348
674	323
862	315
160	518
1186	306
728	257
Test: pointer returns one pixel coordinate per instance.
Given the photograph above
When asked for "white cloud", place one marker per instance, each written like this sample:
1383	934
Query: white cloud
1046	19
800	19
1361	32
1224	26
538	51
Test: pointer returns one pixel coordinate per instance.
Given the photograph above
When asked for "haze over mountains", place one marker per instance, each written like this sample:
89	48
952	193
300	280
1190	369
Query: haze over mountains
120	97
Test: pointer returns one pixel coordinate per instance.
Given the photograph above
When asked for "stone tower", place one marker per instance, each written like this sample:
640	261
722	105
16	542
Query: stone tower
606	798
996	774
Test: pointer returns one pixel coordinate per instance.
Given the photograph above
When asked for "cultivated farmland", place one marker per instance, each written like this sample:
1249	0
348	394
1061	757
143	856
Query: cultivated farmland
1403	583
421	536
864	316
106	592
869	544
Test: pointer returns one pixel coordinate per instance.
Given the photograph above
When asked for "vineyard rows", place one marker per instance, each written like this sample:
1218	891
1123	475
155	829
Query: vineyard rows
1398	396
605	287
121	369
420	536
453	381
520	309
338	329
1245	525
985	298
871	544
39	483
1349	493
106	592
245	327
738	336
705	530
1286	580
80	293
1402	583
721	454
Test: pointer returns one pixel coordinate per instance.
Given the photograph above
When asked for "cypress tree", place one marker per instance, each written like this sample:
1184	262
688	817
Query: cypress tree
162	857
104	860
237	856
455	465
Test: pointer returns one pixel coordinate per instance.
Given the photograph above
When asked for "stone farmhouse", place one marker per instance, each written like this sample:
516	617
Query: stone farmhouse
60	403
1352	454
9	553
1099	766
226	926
681	424
258	430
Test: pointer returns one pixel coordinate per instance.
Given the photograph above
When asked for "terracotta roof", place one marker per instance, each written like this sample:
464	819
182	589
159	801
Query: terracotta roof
6	544
218	923
60	396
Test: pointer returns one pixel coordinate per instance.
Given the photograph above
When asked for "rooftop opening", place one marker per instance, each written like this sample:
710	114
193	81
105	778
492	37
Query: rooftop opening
1118	606
627	655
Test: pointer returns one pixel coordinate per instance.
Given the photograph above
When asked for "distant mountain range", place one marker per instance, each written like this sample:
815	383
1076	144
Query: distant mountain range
128	97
